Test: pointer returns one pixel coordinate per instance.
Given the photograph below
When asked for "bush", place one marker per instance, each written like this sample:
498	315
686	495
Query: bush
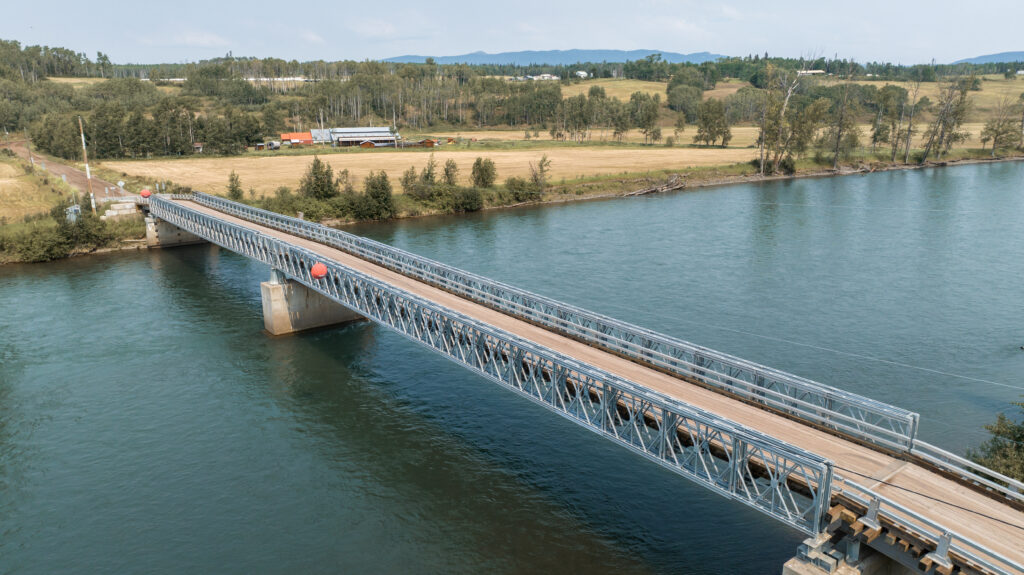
522	189
788	166
458	200
484	173
234	187
318	182
39	245
376	203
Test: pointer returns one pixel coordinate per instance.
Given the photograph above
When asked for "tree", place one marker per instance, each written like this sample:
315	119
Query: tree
775	132
680	125
484	173
428	177
451	172
1001	129
318	182
234	187
539	173
685	99
909	136
644	110
376	202
842	129
950	113
712	124
1004	450
409	180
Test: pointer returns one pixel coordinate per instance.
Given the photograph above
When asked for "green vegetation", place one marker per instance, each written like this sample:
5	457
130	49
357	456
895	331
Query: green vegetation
127	117
50	236
1004	450
324	195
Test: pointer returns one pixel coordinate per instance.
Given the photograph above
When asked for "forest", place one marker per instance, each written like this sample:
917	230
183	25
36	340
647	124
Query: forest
229	103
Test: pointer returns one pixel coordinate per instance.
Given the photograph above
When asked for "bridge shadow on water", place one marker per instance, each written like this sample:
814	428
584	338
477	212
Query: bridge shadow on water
458	474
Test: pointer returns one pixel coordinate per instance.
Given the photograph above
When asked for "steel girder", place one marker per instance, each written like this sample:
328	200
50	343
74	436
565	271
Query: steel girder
781	480
854	415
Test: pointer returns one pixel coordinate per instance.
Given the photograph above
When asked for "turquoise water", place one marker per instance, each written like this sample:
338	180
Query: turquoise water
147	425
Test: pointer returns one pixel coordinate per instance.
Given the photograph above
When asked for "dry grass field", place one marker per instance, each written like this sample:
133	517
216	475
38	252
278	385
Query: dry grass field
993	89
77	82
267	173
617	88
20	194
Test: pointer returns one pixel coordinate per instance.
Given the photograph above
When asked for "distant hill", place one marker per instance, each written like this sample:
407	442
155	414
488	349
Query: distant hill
559	57
991	58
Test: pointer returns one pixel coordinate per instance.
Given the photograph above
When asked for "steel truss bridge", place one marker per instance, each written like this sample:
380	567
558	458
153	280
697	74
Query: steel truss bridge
814	457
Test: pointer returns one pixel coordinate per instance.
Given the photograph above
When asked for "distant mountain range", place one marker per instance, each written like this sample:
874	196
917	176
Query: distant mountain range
990	58
558	57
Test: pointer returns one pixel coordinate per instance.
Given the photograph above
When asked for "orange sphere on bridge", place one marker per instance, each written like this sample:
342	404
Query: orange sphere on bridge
145	193
318	270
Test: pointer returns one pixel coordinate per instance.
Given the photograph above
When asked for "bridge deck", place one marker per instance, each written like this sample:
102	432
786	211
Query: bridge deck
906	483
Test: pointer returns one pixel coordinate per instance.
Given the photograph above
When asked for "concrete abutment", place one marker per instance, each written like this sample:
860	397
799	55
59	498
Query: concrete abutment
290	307
160	234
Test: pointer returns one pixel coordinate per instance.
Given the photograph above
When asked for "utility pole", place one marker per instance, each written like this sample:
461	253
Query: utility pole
88	174
28	144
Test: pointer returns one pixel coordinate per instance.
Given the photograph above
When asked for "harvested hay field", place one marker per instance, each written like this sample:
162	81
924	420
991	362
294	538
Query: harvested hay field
725	88
619	89
21	195
265	174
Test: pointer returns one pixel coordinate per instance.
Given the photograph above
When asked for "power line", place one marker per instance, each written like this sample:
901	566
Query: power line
936	499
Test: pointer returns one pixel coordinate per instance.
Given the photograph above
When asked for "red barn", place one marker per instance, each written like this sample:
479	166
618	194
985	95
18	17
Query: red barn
297	138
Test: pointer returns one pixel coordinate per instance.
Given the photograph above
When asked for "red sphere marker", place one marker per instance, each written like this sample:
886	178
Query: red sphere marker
145	193
318	270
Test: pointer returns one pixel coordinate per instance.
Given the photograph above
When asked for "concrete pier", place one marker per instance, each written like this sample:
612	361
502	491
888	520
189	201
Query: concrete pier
848	556
160	234
290	307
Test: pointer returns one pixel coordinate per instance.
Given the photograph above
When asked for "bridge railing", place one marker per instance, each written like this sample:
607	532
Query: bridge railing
948	544
979	475
854	415
782	480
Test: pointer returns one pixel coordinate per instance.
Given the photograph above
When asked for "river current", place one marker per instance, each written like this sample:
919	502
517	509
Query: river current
147	425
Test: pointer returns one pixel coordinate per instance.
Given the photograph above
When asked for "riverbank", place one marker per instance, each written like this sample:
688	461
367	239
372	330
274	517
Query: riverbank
675	181
599	188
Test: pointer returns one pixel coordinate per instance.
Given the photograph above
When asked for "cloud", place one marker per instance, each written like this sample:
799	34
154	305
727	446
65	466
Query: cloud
374	29
198	40
312	37
730	12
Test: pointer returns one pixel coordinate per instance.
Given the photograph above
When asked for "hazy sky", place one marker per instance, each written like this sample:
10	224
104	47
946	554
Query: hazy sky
907	31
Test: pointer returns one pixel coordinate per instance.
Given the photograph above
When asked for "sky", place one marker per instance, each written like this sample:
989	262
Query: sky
907	32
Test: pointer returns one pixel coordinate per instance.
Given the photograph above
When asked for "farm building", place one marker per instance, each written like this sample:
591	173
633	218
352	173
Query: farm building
297	138
378	136
810	72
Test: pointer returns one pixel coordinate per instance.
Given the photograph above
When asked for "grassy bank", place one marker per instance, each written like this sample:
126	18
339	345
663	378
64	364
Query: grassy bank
49	236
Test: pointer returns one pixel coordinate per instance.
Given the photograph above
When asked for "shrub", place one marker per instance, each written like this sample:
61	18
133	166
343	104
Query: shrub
451	172
318	182
376	203
234	187
522	189
458	200
39	245
483	173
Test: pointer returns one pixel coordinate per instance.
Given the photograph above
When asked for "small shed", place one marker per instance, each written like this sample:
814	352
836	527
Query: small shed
197	148
367	144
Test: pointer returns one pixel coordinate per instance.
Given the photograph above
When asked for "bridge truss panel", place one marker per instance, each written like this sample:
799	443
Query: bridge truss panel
781	480
856	416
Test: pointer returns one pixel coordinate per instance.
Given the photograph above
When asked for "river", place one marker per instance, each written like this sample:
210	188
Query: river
147	425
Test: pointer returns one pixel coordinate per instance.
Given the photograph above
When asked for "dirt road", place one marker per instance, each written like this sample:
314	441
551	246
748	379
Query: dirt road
75	177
